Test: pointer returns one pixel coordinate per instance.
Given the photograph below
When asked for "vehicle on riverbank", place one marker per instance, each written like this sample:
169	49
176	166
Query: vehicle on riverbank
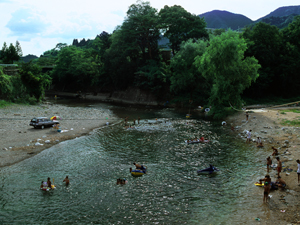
42	122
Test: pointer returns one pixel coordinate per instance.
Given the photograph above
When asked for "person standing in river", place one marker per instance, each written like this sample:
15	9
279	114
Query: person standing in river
279	166
66	180
269	163
248	136
247	115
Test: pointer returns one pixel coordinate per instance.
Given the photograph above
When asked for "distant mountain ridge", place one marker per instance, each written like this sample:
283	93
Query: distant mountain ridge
224	19
280	17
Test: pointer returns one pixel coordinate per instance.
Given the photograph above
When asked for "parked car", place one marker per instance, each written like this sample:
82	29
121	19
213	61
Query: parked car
42	122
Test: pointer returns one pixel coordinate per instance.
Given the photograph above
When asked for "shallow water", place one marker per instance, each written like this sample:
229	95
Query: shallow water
170	193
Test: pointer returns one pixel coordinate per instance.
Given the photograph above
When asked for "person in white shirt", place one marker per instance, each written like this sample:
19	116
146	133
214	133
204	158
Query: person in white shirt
248	136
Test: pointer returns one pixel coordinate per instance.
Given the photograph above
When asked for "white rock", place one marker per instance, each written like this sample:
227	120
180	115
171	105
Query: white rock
47	141
38	144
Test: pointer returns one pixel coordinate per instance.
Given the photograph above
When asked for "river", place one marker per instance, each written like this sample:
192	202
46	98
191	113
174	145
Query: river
170	193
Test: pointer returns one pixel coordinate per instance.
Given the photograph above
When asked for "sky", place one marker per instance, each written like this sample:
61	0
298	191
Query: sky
40	24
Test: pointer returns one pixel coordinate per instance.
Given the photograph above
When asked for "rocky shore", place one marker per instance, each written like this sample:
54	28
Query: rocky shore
283	207
19	141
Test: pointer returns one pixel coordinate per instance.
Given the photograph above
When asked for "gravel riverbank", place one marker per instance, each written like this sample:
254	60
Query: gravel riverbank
283	207
19	141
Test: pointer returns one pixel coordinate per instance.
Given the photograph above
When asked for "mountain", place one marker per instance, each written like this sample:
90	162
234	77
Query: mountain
29	57
283	11
223	19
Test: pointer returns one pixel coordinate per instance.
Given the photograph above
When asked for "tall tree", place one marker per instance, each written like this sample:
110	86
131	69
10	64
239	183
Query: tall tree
10	54
224	62
178	25
265	44
185	76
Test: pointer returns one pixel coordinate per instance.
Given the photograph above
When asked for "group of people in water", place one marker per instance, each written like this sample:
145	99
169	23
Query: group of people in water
138	167
48	184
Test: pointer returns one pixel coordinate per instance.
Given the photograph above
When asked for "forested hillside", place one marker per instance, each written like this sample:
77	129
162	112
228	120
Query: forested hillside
218	68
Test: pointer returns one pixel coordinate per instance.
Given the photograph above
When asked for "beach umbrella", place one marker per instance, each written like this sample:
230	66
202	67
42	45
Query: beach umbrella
55	118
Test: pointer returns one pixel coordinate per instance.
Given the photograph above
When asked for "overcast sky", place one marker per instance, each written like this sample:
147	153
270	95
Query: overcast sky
40	24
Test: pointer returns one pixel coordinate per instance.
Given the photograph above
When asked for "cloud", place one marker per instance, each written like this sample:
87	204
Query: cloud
5	1
26	24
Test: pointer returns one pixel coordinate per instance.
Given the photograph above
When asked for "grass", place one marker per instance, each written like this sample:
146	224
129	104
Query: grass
289	110
4	103
295	123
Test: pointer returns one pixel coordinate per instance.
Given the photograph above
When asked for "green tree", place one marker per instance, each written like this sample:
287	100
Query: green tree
133	44
10	54
5	85
178	25
289	65
75	69
33	79
265	44
230	71
185	76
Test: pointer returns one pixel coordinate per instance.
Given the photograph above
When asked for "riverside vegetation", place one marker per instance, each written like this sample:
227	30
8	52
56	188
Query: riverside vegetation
170	54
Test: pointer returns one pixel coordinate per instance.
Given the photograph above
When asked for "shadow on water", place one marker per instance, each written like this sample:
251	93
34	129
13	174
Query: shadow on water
170	193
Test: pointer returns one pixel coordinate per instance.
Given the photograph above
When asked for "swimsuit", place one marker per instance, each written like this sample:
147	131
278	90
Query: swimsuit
266	193
279	169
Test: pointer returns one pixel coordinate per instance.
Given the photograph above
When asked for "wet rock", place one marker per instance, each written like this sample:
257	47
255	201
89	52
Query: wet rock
286	142
284	146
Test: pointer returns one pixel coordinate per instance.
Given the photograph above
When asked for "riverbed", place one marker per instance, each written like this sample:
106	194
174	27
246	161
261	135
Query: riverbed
170	193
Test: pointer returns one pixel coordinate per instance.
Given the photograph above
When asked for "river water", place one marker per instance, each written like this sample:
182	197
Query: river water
170	193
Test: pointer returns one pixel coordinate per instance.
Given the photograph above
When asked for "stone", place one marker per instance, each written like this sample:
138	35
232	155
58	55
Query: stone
286	141
47	141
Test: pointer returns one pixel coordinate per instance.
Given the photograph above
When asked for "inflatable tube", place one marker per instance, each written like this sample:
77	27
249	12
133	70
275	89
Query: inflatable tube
138	173
208	171
207	109
259	185
224	123
47	188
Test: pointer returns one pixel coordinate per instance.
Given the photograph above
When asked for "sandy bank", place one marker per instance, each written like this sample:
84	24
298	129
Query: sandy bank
18	139
266	124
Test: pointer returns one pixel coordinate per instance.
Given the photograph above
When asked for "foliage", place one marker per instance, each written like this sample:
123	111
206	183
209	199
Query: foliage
5	85
224	63
4	104
152	76
264	43
185	76
178	25
286	122
34	81
10	54
75	69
